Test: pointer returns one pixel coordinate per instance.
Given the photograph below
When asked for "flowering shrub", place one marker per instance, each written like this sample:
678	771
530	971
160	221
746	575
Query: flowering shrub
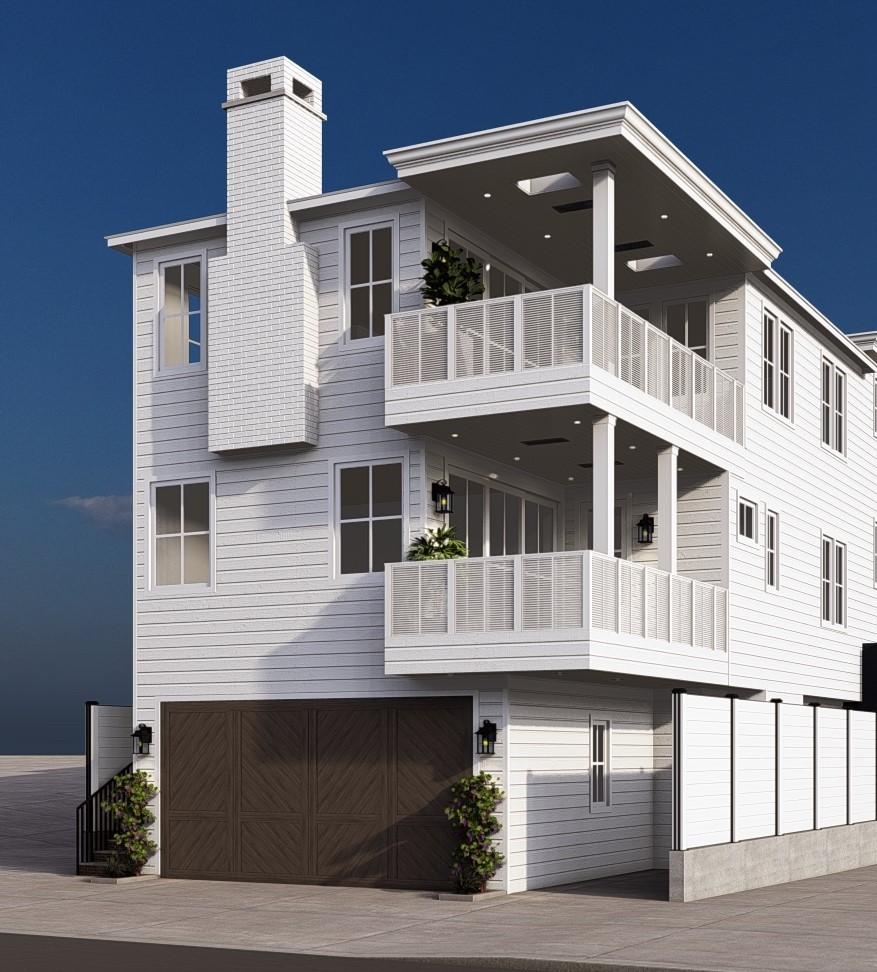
471	811
130	807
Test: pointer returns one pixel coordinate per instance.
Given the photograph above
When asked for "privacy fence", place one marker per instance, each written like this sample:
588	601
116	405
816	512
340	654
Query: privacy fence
744	769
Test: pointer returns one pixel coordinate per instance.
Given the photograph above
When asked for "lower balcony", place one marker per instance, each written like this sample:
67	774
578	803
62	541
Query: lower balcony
572	610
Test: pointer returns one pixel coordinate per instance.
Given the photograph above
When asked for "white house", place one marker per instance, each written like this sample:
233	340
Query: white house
635	363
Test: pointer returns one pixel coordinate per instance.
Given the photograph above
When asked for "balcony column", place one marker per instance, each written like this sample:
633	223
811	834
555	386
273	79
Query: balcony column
604	485
603	223
668	507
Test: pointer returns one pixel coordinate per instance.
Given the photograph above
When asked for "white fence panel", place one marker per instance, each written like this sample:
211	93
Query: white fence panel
705	771
111	727
796	768
863	766
754	770
831	767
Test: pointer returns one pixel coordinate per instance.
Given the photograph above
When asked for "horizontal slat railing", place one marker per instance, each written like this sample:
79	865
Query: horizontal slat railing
578	591
553	328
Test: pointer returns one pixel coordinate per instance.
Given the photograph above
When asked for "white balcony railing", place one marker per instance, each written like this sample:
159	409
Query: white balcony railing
580	593
552	328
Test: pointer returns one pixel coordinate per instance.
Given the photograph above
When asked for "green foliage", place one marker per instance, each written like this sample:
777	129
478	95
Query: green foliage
449	277
130	807
476	858
438	544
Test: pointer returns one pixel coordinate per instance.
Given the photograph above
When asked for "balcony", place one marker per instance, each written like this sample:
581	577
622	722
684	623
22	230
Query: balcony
554	611
552	348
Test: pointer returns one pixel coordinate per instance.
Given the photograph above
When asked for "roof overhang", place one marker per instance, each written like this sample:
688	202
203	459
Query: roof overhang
187	230
866	341
360	197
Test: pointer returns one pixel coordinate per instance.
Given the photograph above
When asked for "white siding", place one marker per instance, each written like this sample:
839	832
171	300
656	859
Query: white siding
863	762
831	767
706	771
796	768
111	742
754	770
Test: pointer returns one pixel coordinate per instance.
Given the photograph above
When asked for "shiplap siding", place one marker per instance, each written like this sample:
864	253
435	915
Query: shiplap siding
754	770
111	730
831	767
796	768
863	764
705	766
662	779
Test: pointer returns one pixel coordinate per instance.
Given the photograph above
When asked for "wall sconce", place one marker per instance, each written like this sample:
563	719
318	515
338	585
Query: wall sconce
486	738
142	737
645	529
443	497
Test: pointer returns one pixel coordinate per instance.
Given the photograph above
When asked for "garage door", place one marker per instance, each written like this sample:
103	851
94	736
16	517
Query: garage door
335	792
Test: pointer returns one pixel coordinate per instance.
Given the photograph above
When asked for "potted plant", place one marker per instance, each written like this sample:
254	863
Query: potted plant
471	811
449	277
438	544
130	807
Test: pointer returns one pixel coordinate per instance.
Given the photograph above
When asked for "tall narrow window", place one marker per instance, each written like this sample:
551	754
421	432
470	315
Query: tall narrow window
834	407
768	371
181	325
776	370
688	323
874	550
369	280
599	763
826	403
369	526
746	520
826	579
834	581
785	374
840	411
840	583
181	535
771	549
874	383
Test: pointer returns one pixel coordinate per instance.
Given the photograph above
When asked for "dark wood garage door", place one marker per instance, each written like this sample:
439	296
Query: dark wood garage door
336	792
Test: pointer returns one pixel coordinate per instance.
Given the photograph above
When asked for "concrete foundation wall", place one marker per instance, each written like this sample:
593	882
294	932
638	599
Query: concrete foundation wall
705	872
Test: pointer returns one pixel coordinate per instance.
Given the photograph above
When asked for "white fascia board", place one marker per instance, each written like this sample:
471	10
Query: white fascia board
377	191
866	341
851	347
622	119
126	241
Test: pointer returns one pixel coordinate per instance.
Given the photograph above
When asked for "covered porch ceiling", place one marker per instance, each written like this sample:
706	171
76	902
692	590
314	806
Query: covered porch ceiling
664	204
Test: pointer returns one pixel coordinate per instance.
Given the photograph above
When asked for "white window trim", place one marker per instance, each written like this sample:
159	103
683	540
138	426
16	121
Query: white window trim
741	537
158	319
488	261
604	805
834	371
180	590
374	220
832	579
874	551
780	326
874	383
775	550
372	576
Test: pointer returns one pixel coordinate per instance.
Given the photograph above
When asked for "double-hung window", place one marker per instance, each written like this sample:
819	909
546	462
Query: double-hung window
772	550
600	747
834	581
181	534
776	371
369	526
834	407
875	550
369	280
747	520
181	321
688	323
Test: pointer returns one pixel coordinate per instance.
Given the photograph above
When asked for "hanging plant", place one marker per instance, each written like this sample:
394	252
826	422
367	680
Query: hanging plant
449	277
438	544
130	807
471	811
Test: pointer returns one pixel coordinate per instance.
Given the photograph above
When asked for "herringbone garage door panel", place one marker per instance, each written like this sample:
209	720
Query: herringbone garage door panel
274	760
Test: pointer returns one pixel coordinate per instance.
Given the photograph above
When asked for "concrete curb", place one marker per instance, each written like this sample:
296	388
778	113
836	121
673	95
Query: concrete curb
121	880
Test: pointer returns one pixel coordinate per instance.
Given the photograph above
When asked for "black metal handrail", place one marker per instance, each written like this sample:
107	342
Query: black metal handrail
96	827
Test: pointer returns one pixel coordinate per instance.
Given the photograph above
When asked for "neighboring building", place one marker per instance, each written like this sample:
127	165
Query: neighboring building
635	361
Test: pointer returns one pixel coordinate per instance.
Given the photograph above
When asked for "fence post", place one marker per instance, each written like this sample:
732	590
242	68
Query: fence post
849	775
733	716
677	833
89	756
777	750
815	707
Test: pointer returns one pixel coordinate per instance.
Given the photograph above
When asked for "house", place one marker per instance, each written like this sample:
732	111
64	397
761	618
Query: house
660	456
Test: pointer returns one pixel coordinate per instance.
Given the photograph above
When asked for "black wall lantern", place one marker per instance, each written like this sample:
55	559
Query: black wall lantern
486	738
645	529
142	737
443	497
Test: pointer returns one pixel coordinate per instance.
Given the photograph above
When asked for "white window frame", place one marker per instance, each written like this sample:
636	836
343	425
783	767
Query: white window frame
874	532
597	805
742	537
377	576
773	373
170	590
834	407
833	589
874	383
460	241
183	369
694	299
772	550
345	231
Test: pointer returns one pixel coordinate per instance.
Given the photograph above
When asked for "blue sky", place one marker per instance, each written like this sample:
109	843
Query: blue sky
111	120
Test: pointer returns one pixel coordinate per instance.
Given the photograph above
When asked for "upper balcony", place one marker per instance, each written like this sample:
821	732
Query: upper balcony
552	348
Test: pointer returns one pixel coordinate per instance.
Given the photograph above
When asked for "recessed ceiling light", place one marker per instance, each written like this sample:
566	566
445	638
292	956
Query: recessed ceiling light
455	435
492	476
679	468
571	479
546	236
631	448
487	195
709	253
517	458
576	421
665	215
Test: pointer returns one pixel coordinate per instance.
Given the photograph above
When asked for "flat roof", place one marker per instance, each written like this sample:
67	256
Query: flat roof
125	241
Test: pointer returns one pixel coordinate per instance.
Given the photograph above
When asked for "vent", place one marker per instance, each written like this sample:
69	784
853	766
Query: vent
590	465
301	90
541	442
636	245
574	207
256	86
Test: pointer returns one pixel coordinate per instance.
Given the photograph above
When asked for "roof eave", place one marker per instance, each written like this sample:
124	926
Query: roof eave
125	242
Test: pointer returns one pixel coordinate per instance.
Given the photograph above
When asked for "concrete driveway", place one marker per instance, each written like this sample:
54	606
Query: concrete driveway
823	923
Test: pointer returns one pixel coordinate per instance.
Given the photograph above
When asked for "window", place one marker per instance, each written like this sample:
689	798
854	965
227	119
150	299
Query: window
599	763
747	520
369	517
181	535
181	327
834	407
776	373
875	552
493	522
498	281
370	280
834	581
772	550
688	323
874	382
621	531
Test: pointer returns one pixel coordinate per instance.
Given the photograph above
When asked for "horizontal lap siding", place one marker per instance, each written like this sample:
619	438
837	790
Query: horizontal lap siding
554	837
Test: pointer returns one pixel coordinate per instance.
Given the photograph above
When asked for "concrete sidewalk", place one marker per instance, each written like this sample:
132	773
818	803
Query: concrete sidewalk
823	923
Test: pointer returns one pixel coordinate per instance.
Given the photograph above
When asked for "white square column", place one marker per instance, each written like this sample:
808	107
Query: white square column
604	485
668	508
603	275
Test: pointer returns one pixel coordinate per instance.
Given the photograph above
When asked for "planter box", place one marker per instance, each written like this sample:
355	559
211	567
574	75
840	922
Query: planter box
122	880
481	896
